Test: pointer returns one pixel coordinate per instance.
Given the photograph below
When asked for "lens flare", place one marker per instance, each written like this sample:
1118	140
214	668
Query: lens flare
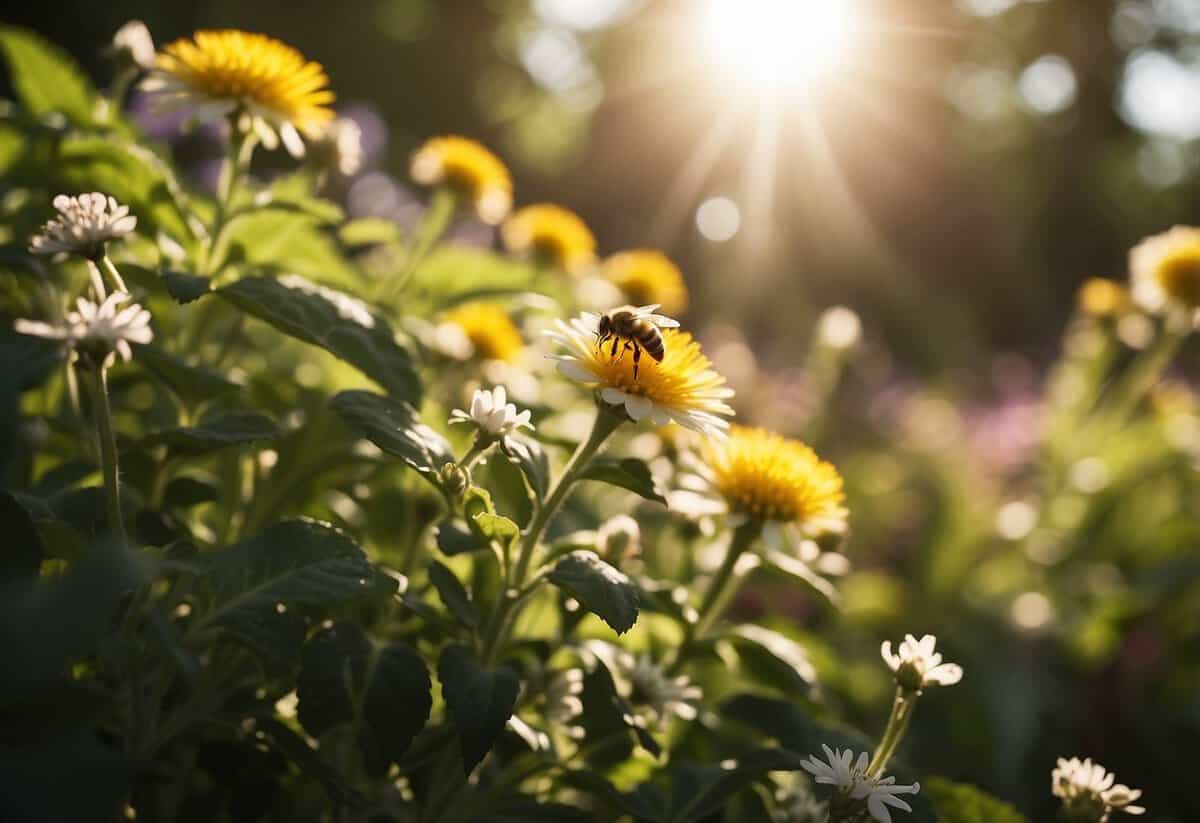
773	44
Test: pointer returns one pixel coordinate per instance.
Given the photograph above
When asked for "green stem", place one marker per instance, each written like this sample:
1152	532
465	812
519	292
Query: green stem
726	581
607	421
433	226
1140	377
114	275
902	712
98	384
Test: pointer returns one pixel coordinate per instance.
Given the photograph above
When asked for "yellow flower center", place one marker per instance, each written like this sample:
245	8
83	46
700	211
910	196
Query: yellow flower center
645	276
553	235
252	68
1099	297
470	169
1178	274
489	329
770	477
675	382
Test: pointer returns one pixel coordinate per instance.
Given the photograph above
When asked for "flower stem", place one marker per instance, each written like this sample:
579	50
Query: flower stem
725	582
606	423
111	270
97	381
902	712
97	281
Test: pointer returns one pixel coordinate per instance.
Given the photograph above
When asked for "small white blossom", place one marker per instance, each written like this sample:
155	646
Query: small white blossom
917	665
1088	790
105	327
83	226
133	43
340	143
647	684
841	770
492	413
561	698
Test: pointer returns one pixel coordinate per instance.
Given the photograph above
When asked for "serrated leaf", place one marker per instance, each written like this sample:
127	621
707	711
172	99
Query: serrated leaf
22	554
601	588
628	473
961	803
184	287
496	527
532	460
337	322
395	707
454	595
480	701
218	432
295	563
394	427
774	659
45	77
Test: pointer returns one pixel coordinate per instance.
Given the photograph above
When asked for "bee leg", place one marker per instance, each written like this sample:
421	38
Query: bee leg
637	356
600	338
616	340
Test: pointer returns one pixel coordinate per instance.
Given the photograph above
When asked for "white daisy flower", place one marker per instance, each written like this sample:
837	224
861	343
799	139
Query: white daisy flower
84	226
917	665
1090	792
97	329
492	414
683	388
1164	273
561	700
849	777
646	684
133	44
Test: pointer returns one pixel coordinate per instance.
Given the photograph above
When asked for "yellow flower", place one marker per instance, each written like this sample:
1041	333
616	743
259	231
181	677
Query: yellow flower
471	170
1165	270
764	476
223	71
1101	297
551	234
491	332
683	388
647	276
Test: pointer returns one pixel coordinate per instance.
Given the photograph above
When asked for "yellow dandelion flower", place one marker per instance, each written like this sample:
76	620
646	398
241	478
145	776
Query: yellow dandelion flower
492	334
551	234
770	478
683	388
472	171
223	71
1101	297
648	276
1165	270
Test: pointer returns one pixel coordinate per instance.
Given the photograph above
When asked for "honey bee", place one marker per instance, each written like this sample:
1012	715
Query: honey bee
638	328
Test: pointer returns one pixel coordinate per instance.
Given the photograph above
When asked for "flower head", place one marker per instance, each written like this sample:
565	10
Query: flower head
855	787
1165	271
94	331
682	388
84	226
339	146
132	44
917	665
551	234
1101	297
561	702
1088	792
218	72
471	170
487	326
647	276
648	685
492	414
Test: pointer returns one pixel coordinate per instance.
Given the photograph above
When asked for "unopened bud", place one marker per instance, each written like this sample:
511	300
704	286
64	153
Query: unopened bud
619	540
454	479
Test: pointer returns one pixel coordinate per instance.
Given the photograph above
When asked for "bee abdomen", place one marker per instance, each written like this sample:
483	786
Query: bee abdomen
652	343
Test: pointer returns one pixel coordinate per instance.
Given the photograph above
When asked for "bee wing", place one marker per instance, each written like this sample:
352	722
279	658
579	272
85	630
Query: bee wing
662	321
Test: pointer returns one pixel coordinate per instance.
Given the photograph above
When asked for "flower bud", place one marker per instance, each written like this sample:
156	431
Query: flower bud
454	479
619	540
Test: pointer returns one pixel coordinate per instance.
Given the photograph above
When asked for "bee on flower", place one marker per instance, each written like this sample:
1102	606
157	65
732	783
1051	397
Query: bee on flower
683	388
552	236
277	93
468	169
648	276
84	226
1090	793
1165	273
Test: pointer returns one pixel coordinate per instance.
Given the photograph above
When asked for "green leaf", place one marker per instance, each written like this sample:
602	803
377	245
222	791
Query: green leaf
184	287
699	791
193	384
394	427
294	747
339	323
496	527
184	492
218	432
45	77
602	589
369	231
774	659
285	239
395	707
960	803
606	712
628	473
293	564
454	536
331	672
480	701
22	555
532	460
454	595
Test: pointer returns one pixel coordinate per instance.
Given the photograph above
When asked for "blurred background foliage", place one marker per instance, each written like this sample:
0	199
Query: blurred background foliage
967	166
